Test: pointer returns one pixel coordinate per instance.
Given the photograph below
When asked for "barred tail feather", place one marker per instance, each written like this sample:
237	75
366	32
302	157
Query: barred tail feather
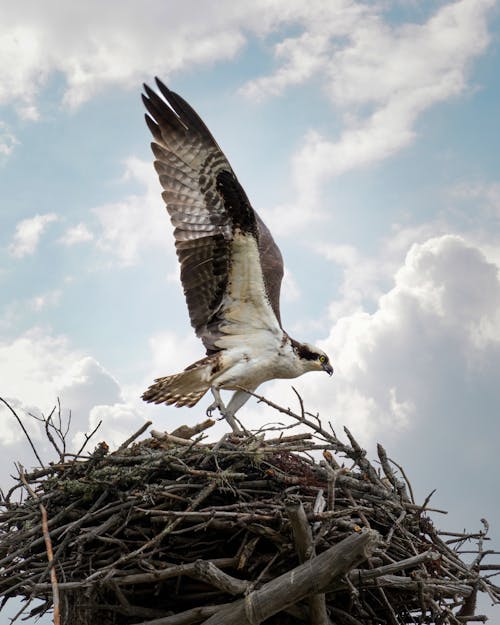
182	389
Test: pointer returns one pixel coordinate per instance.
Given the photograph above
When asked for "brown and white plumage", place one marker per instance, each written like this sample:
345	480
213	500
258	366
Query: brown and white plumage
231	268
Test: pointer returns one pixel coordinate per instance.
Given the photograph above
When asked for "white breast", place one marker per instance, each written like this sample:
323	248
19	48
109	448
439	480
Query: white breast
257	360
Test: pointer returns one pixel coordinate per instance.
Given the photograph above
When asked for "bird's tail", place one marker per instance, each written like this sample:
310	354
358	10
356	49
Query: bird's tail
182	389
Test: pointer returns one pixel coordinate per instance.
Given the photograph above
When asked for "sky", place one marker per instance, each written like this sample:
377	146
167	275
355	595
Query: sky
364	133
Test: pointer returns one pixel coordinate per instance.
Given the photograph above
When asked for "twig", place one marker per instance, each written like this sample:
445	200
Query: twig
135	435
405	477
88	437
48	546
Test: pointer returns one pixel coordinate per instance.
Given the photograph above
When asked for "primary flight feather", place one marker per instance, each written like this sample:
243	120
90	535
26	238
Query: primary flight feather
231	268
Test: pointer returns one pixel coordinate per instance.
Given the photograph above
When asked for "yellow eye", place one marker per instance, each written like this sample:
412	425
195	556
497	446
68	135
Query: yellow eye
322	359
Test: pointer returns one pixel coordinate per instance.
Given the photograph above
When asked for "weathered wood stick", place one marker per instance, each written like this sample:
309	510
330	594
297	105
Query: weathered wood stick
194	615
309	578
395	567
177	440
188	569
48	546
186	431
208	572
304	546
302	535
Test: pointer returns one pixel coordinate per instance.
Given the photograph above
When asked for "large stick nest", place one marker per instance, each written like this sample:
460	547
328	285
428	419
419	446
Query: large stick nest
174	530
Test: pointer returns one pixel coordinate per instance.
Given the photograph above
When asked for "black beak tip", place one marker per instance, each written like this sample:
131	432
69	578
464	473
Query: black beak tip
329	369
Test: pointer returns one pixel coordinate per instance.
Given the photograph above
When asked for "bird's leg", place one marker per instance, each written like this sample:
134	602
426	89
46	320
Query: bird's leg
228	415
239	398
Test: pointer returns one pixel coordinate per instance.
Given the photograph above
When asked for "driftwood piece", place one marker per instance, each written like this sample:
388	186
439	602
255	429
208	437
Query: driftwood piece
304	545
310	578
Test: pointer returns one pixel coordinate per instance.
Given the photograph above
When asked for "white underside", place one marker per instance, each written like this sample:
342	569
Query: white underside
248	366
254	347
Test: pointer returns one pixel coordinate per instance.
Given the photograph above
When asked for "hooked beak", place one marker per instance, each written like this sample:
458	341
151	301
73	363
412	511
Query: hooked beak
328	368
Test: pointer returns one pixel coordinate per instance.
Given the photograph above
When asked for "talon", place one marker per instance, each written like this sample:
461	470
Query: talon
210	409
218	403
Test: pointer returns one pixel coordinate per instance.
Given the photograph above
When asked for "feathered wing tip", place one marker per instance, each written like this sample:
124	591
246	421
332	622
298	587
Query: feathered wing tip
182	389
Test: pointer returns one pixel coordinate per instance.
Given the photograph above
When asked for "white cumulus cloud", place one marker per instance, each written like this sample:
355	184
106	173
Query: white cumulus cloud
130	227
431	342
36	369
28	233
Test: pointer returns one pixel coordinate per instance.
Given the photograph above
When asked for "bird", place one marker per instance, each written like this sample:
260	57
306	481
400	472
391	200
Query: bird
230	267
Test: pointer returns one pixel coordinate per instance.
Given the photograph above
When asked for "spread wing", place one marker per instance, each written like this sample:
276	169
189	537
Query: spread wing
231	268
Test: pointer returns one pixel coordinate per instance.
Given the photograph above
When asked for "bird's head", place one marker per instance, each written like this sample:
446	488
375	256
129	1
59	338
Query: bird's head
312	358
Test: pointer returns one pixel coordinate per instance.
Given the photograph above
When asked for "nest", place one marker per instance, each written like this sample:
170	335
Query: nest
283	528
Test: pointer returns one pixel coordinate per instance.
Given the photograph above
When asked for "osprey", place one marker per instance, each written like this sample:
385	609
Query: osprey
231	268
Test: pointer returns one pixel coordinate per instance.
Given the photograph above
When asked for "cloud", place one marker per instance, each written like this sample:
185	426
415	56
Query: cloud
29	367
362	279
36	366
488	193
170	353
420	373
366	278
76	234
302	56
100	46
399	73
36	369
28	233
131	227
348	43
431	344
290	290
96	47
118	421
380	78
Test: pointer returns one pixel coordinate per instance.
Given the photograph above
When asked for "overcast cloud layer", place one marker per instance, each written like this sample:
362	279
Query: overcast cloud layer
365	132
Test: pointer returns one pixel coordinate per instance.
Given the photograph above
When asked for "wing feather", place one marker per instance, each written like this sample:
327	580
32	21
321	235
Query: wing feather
231	268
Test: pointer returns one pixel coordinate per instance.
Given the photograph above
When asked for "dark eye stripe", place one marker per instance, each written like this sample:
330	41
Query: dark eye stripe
304	352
